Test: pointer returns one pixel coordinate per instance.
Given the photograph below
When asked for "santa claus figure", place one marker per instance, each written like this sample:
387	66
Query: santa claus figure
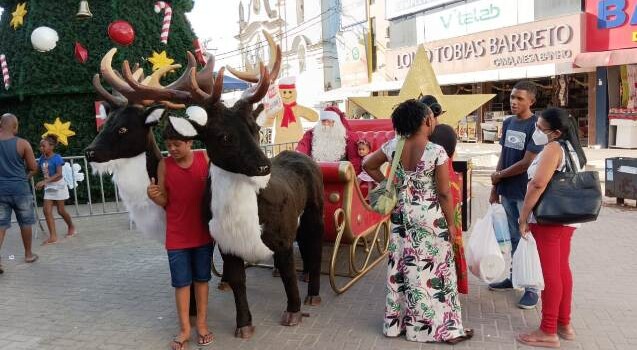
331	140
287	122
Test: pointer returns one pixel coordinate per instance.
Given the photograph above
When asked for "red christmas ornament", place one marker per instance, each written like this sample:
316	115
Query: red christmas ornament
199	52
121	32
81	54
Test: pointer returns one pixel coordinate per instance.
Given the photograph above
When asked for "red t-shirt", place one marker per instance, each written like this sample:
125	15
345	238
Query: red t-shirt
185	189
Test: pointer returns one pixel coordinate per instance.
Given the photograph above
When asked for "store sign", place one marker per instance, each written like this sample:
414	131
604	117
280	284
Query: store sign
352	56
473	17
397	8
555	40
611	24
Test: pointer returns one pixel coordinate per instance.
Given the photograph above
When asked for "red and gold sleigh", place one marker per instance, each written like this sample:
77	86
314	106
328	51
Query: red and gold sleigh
354	229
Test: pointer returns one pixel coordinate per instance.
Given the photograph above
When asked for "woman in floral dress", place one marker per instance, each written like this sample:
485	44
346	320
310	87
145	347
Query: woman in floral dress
422	296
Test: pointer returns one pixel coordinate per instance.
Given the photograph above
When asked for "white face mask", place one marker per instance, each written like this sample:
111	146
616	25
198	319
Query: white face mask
540	138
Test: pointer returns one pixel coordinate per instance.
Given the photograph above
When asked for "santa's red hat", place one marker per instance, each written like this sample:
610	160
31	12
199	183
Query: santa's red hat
340	114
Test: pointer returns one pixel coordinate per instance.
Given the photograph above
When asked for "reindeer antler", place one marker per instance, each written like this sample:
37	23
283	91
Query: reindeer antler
252	74
130	90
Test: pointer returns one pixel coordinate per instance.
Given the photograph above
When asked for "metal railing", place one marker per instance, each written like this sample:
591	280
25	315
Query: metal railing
86	206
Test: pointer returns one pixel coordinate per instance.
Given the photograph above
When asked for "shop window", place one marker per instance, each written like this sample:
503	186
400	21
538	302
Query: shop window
551	8
402	33
300	11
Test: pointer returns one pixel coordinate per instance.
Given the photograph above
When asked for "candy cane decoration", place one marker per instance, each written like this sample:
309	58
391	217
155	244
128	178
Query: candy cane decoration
168	14
5	72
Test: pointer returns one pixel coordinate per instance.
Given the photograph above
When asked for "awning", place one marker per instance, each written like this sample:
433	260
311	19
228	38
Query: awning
605	58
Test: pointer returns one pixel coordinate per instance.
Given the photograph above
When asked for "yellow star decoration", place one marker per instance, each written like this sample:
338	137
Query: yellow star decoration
62	130
421	80
18	16
160	60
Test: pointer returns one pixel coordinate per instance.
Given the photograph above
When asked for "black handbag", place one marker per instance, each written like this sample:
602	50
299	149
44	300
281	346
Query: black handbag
570	197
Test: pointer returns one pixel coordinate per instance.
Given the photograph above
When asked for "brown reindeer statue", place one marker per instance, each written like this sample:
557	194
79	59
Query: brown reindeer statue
259	206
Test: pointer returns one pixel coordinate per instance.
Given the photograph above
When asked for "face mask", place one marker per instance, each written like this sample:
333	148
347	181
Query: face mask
540	138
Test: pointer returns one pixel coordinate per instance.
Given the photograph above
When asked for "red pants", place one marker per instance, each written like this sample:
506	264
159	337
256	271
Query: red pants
554	248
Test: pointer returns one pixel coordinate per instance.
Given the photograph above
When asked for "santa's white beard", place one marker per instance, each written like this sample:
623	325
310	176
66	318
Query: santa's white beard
328	143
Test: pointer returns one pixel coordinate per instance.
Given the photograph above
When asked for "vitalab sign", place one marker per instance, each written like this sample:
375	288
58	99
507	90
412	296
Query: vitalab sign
555	40
473	17
611	24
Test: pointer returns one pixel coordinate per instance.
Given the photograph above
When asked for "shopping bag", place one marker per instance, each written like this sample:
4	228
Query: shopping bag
500	223
527	270
484	257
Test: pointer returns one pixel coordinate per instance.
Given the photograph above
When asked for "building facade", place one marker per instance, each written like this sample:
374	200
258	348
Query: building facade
611	49
306	32
486	46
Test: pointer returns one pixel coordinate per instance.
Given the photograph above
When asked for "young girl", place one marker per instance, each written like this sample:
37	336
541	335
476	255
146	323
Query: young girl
55	189
365	181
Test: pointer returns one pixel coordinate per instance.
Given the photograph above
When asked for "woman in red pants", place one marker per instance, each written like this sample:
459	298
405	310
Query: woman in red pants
553	241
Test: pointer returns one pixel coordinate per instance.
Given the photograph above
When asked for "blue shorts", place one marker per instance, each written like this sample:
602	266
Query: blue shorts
191	264
23	208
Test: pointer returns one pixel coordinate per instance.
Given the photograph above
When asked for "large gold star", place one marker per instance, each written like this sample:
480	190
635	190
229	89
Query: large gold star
18	16
420	81
160	60
59	129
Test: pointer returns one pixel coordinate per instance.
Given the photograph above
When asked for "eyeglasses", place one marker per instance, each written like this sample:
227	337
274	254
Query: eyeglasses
546	131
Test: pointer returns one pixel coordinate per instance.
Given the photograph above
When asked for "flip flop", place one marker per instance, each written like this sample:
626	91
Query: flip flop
202	339
468	334
33	259
47	243
180	343
531	340
566	335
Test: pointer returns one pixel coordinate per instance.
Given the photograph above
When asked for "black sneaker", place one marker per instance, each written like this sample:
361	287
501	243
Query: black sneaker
528	301
501	286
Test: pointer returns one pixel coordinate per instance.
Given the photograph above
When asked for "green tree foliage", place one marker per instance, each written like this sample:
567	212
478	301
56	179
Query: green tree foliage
51	84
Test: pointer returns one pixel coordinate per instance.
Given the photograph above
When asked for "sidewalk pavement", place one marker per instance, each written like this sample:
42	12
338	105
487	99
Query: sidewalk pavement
107	288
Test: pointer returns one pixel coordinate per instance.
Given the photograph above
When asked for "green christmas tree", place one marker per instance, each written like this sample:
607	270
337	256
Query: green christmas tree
46	85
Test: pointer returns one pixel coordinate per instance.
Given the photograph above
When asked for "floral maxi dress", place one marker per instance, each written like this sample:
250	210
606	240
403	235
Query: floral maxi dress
421	294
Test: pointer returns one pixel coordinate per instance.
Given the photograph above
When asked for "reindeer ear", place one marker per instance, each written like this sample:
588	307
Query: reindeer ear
182	126
197	115
153	116
257	111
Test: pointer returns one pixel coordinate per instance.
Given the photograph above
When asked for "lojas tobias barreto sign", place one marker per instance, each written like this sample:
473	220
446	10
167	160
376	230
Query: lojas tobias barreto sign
611	24
555	40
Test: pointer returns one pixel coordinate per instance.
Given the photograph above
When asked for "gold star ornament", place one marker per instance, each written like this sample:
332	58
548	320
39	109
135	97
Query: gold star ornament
18	16
160	60
421	81
59	129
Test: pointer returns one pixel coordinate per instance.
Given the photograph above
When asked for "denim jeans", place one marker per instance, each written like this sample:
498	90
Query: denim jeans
513	207
22	206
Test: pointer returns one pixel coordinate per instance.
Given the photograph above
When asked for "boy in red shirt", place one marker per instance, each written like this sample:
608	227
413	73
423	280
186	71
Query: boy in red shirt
180	185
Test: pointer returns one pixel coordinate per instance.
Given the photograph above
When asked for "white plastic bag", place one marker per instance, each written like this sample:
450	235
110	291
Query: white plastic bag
527	270
484	257
500	224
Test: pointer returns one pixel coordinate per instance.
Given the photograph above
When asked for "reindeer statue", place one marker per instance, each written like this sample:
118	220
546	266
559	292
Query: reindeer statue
259	206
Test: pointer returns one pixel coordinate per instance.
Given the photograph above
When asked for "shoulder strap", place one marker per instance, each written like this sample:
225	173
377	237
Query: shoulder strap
397	154
568	160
